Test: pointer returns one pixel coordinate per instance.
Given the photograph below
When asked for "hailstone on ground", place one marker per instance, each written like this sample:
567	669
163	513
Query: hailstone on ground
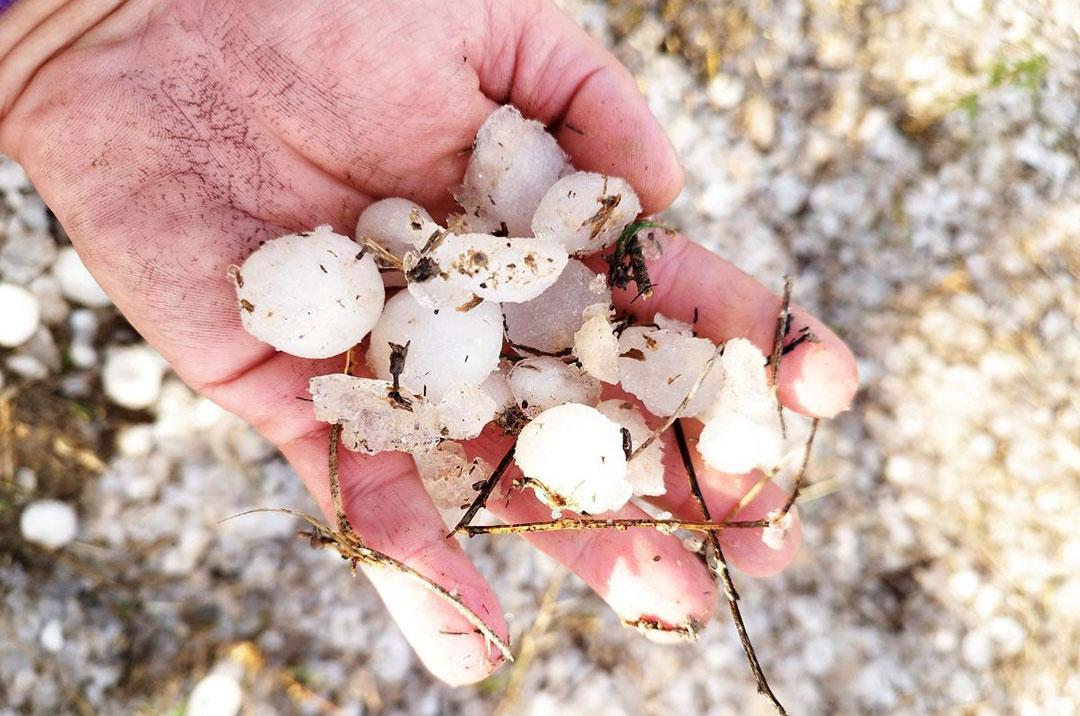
445	347
576	454
548	322
463	268
586	212
646	471
514	162
541	383
661	366
314	294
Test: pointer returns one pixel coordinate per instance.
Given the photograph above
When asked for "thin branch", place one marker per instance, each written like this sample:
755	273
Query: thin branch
381	253
343	523
566	524
682	405
797	485
484	493
721	569
782	327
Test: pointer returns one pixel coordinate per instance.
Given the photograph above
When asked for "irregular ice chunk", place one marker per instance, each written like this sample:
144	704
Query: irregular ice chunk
576	454
514	162
449	475
461	267
375	417
446	347
497	387
397	225
596	345
548	322
660	366
671	324
741	430
308	294
543	382
586	211
646	471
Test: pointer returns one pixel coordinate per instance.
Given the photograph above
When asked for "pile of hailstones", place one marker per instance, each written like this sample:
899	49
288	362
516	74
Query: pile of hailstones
503	273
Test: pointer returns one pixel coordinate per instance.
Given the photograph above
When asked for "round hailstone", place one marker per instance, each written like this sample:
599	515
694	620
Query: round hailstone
595	344
76	282
542	383
660	367
646	471
397	225
465	267
215	695
312	294
21	315
514	162
49	523
576	454
548	322
132	376
586	211
737	443
446	347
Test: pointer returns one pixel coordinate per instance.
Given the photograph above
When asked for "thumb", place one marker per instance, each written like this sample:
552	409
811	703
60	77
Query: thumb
539	60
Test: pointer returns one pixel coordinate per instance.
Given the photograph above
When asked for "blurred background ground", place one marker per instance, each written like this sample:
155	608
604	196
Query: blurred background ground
913	164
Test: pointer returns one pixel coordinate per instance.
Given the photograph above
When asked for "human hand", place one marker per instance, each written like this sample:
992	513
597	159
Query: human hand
170	138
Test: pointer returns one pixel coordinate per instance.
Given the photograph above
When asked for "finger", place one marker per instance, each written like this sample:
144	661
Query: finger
694	285
649	579
391	512
539	60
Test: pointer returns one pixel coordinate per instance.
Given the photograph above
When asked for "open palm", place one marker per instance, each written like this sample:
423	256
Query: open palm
170	138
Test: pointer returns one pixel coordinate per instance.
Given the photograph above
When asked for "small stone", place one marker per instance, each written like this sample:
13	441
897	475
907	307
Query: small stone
76	282
215	695
20	313
49	523
759	121
52	637
132	376
27	366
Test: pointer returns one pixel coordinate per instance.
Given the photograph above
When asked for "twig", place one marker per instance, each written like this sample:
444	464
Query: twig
782	327
682	406
484	493
351	548
382	253
565	524
797	485
335	481
721	569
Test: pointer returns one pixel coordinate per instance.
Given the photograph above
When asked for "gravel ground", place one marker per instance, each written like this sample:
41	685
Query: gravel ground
913	164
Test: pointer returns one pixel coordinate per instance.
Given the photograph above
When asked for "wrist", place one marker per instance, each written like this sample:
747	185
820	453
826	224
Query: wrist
34	32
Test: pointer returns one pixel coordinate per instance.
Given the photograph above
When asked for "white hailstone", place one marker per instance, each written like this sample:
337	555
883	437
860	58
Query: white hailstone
741	430
646	471
132	376
446	347
449	475
463	267
514	162
660	367
548	322
595	344
376	418
576	454
543	382
398	225
217	694
773	536
586	211
497	387
49	523
20	315
76	282
311	294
